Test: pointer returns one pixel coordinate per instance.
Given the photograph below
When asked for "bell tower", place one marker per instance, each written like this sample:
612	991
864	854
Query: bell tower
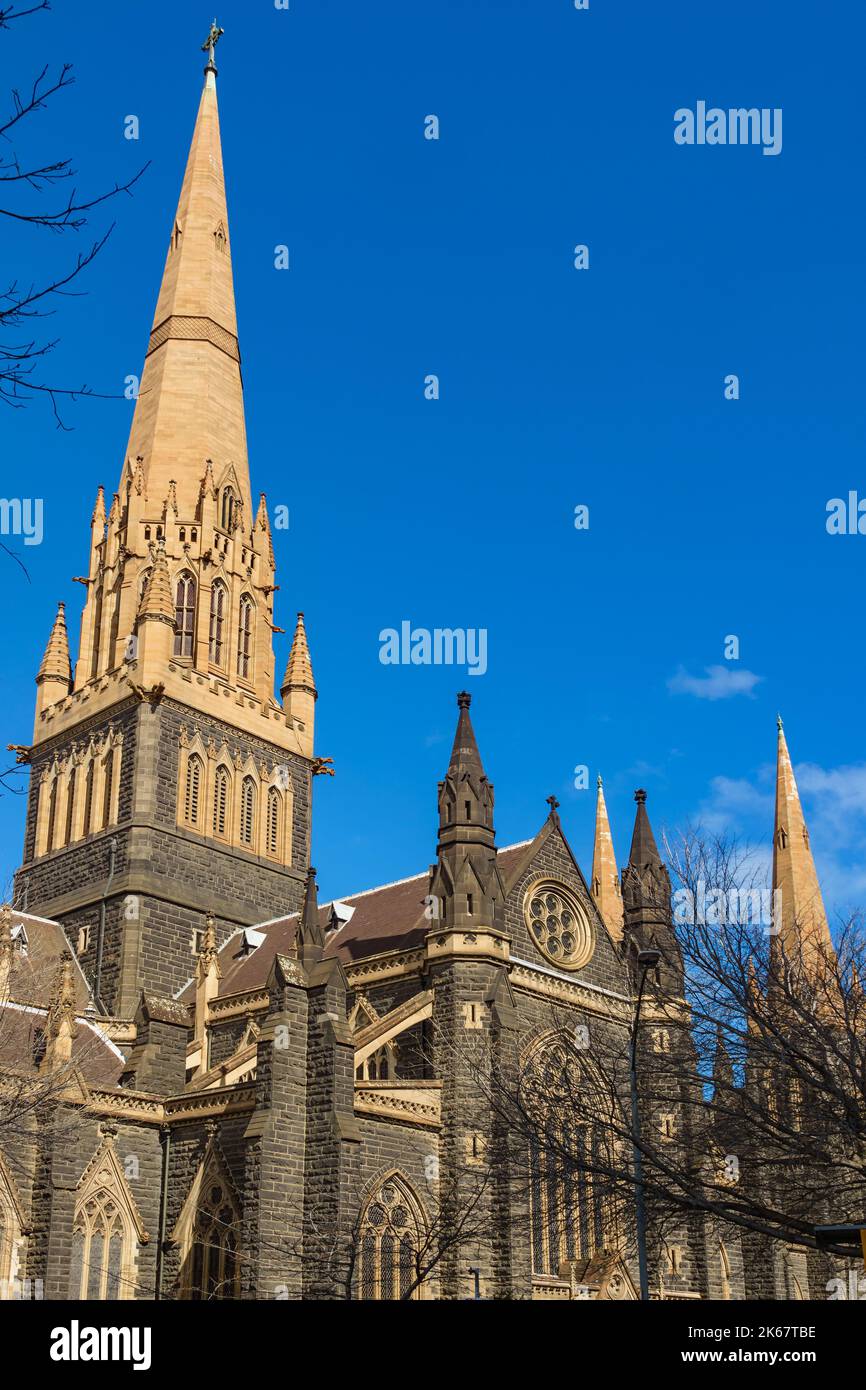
168	781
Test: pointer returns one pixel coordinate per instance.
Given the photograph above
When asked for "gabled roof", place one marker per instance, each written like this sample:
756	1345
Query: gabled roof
389	918
35	968
94	1055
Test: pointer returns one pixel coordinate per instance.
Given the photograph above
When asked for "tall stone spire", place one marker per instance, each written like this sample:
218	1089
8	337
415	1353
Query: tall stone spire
466	879
803	931
190	404
605	879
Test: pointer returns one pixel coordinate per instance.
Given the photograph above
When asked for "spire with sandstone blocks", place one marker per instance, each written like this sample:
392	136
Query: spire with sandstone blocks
190	403
803	930
55	675
605	879
181	562
299	688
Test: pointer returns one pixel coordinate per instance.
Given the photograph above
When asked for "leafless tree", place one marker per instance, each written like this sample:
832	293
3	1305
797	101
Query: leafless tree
763	1068
29	184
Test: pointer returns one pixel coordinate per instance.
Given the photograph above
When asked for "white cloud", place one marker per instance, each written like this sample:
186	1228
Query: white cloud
717	683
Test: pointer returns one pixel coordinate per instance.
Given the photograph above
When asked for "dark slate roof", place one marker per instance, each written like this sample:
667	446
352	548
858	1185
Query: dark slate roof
390	918
95	1056
35	972
23	1014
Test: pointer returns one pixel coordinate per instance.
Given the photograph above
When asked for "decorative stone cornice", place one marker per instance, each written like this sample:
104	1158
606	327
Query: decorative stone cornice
386	966
410	1102
547	985
485	943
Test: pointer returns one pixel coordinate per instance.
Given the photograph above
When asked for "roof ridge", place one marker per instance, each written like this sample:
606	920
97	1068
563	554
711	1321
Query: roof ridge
349	897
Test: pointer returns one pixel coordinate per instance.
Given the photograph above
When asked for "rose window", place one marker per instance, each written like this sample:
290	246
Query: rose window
558	925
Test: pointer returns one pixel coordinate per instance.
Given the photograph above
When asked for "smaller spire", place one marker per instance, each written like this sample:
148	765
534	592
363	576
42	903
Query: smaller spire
464	752
310	938
208	974
299	667
98	517
605	879
60	1024
644	850
156	601
55	663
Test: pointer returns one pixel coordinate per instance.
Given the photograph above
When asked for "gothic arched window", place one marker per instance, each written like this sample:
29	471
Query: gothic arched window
379	1066
97	1248
106	1232
248	811
192	790
184	615
214	1265
227	514
275	821
245	637
567	1158
221	800
392	1231
217	623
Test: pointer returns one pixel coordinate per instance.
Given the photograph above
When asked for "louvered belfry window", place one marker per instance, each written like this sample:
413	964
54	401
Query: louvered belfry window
245	637
184	616
192	791
220	801
248	811
217	621
274	821
88	796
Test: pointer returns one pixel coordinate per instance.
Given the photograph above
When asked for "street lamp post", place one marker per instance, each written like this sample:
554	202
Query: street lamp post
647	960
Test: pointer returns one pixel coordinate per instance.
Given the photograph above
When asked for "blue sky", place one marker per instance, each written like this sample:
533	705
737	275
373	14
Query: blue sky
558	387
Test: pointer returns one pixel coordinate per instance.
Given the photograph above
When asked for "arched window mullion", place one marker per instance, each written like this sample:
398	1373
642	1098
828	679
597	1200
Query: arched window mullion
184	615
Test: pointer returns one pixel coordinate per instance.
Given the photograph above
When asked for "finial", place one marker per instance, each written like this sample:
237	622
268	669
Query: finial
210	44
640	796
598	782
464	699
779	724
552	803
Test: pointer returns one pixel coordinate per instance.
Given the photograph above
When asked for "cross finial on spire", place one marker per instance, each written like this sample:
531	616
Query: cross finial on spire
552	803
210	44
598	781
779	724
